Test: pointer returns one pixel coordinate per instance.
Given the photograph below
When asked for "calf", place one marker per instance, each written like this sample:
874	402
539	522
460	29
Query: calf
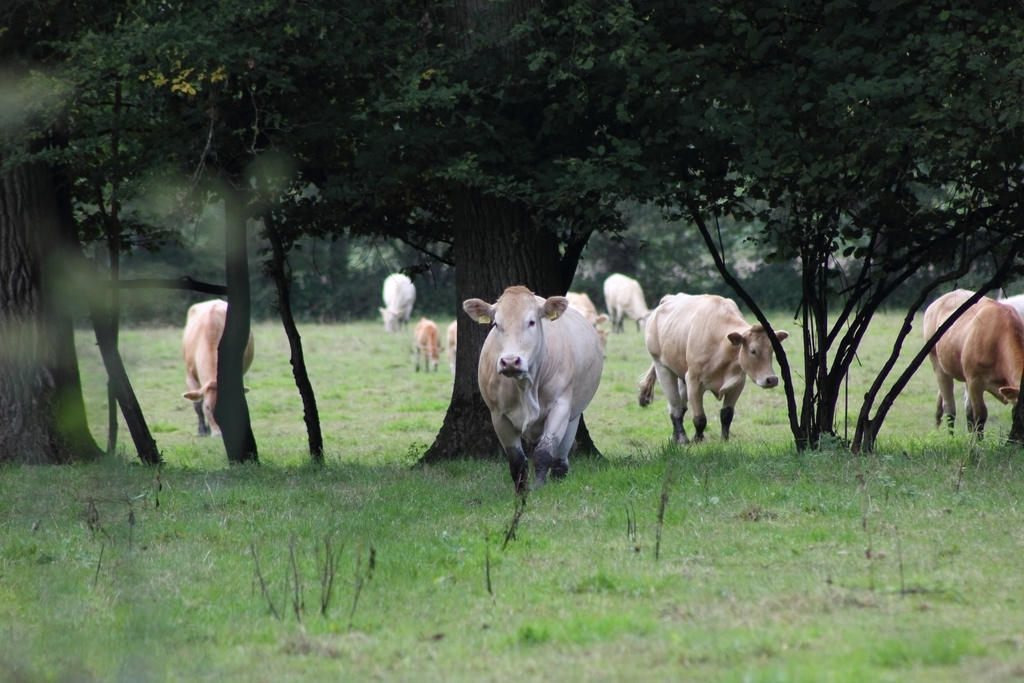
426	344
702	343
204	327
539	368
984	348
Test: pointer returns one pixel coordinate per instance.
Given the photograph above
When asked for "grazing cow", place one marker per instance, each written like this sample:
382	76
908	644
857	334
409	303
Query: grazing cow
623	297
582	303
539	368
984	348
702	343
203	329
426	344
399	295
453	338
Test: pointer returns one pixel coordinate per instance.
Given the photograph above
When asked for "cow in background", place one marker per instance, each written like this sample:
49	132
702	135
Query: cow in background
984	348
399	295
623	297
452	339
702	343
204	327
426	344
582	303
538	370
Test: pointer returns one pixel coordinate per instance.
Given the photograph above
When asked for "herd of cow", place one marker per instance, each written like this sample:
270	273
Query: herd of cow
541	362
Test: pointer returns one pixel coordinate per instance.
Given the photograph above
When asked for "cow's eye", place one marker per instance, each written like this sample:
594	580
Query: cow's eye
753	352
532	323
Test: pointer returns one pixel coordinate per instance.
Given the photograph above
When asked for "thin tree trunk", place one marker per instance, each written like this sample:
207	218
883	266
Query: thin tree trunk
276	268
104	325
232	411
42	413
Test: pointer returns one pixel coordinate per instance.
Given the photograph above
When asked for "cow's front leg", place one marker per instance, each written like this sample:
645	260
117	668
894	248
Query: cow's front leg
204	429
547	455
517	466
512	444
729	409
977	411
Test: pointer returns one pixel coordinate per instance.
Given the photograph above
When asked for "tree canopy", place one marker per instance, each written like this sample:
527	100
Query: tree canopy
864	151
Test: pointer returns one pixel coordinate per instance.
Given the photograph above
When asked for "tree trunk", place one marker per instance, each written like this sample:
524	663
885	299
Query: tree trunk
42	414
120	388
276	268
232	411
497	245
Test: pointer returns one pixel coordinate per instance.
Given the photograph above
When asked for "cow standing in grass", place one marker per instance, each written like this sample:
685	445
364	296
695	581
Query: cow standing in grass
623	297
984	348
539	368
426	344
399	294
204	327
702	343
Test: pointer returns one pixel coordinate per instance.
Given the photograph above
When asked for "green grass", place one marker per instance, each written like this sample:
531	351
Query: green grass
773	566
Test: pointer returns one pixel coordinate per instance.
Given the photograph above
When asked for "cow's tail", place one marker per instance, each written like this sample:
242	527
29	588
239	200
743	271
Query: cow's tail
647	387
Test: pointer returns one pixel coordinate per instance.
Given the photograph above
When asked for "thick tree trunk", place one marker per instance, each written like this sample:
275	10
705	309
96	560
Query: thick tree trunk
276	268
232	411
42	414
497	245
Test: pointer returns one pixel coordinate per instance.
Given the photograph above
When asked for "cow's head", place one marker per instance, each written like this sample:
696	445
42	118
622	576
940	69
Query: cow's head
207	394
755	353
391	319
516	326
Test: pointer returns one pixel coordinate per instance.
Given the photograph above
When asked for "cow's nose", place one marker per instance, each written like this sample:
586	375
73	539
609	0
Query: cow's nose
771	381
510	363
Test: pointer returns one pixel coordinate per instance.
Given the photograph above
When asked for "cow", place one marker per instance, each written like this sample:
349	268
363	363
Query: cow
539	368
426	344
1015	302
623	297
702	343
452	339
399	295
582	303
204	326
984	348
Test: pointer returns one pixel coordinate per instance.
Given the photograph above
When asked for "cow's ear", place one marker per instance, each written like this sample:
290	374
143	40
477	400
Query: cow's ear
781	335
554	306
735	338
1009	393
479	310
192	396
601	319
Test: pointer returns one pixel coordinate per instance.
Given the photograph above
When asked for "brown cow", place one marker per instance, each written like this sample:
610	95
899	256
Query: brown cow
453	339
426	344
702	343
203	329
984	348
539	368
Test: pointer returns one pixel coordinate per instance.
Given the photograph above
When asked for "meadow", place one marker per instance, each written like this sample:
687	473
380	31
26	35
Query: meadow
718	561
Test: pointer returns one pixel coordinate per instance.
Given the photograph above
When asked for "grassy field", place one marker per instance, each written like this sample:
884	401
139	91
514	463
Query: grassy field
767	565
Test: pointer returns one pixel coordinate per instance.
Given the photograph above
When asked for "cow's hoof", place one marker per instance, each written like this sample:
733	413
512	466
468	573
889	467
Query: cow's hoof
559	470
